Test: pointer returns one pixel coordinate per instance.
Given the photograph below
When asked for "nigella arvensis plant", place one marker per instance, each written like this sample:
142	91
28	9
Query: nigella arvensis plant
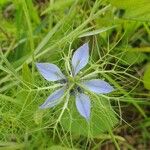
79	60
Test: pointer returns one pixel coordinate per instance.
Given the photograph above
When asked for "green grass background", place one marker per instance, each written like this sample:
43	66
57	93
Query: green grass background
118	32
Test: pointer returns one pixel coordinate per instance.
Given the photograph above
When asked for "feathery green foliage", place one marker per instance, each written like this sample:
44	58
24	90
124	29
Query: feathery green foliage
48	31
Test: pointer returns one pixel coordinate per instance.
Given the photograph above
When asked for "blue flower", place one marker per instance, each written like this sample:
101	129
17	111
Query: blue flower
79	60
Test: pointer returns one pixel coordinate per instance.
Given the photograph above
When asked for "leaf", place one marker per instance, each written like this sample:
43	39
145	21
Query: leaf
58	5
11	145
136	10
33	11
57	147
26	73
9	99
146	78
38	115
3	2
98	31
102	119
132	57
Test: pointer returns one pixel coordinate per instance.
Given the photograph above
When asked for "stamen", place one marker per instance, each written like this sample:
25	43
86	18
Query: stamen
79	89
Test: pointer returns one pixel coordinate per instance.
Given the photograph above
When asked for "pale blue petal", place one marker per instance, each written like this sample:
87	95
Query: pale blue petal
50	71
80	58
98	86
53	99
83	105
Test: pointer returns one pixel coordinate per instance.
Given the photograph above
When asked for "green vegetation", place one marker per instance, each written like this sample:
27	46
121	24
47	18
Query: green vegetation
118	32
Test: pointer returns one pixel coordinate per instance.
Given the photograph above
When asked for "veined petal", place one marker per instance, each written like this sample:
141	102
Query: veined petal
80	58
50	71
53	99
98	86
83	105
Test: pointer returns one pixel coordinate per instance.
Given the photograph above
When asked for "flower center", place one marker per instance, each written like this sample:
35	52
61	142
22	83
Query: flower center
72	80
